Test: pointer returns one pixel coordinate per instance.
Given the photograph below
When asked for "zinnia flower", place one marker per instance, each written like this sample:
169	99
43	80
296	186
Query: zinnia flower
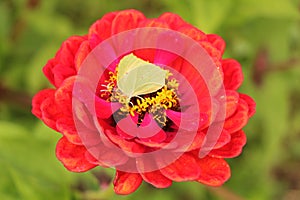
152	98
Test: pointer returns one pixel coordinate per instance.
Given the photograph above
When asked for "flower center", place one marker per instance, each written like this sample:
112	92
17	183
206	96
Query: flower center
154	102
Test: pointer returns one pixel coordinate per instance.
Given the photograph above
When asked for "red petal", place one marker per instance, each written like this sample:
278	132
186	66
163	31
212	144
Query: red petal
91	159
214	171
63	66
126	183
102	27
193	32
45	107
67	127
157	179
107	156
126	20
68	50
102	148
173	20
146	54
105	109
197	142
157	138
209	107
232	99
151	143
47	70
185	141
233	148
38	99
65	123
185	168
50	112
123	134
239	119
233	76
63	96
187	120
94	104
224	138
213	140
72	156
127	146
251	104
203	88
146	131
163	57
153	23
217	42
215	53
81	54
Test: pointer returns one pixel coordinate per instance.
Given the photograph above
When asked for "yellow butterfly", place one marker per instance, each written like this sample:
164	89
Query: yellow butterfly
138	77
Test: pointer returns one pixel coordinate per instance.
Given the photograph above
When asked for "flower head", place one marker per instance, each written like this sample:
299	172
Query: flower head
152	98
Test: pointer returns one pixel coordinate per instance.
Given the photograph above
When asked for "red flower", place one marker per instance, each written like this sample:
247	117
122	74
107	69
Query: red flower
113	131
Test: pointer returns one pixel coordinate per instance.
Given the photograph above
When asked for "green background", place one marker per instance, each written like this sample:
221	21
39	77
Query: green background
264	36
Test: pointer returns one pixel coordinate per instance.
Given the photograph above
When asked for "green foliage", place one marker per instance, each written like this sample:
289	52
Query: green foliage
29	169
263	35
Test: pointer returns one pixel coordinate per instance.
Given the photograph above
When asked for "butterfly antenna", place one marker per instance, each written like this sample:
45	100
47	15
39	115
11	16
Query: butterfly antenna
140	97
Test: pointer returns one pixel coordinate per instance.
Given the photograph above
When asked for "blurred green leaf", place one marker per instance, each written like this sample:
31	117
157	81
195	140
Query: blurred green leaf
4	32
29	169
206	15
246	10
34	77
209	15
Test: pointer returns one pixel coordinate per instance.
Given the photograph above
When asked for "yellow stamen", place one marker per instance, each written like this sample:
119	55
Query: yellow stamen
165	99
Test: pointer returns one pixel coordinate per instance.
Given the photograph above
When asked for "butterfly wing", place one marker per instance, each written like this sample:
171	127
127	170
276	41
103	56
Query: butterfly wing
150	79
137	77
